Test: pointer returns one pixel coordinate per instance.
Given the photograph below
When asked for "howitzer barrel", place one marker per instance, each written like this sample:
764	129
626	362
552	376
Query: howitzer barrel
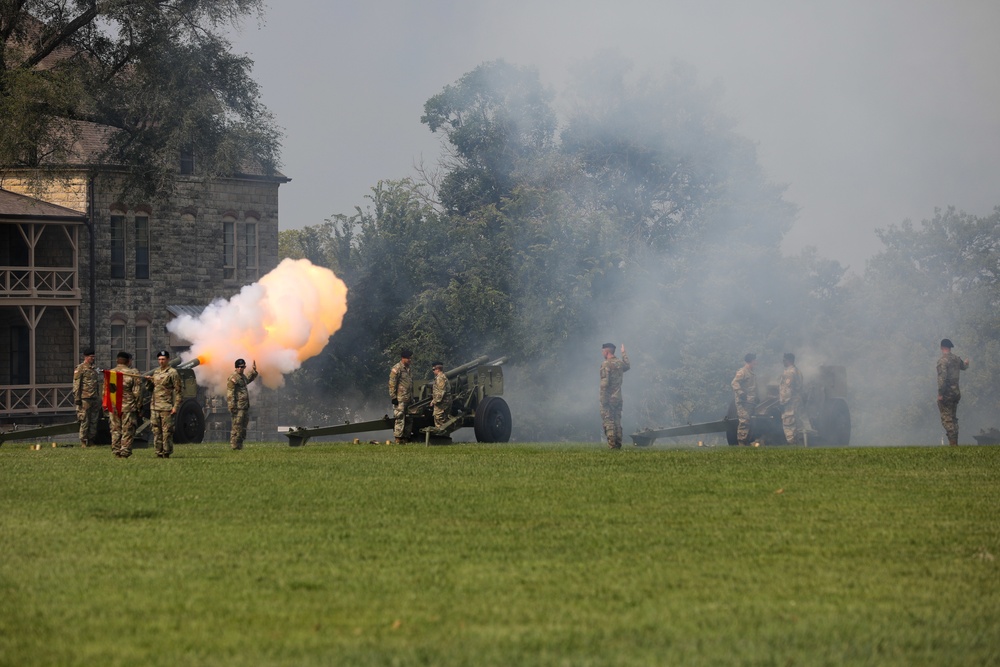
497	362
176	363
458	370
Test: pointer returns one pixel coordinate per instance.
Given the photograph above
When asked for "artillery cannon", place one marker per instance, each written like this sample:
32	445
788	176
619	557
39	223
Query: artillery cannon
189	424
824	405
475	388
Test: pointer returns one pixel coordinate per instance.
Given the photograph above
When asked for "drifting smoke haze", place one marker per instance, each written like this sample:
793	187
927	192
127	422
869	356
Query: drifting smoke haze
285	318
870	113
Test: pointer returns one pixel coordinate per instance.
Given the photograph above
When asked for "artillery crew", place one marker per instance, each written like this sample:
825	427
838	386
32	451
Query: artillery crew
790	398
87	397
949	367
401	394
612	372
122	397
440	395
238	399
165	403
745	393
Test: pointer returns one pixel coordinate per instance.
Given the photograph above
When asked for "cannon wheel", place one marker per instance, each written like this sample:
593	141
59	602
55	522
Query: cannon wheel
190	424
492	422
837	423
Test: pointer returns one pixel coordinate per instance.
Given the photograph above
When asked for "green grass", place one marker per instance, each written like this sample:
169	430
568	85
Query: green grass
500	555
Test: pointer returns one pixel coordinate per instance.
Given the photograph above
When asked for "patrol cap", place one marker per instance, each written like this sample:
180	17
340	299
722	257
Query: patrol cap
163	353
405	353
89	352
241	362
789	357
947	343
125	355
608	346
437	364
750	356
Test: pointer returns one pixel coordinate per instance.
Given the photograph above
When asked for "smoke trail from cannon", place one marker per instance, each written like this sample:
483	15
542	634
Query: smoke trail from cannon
280	321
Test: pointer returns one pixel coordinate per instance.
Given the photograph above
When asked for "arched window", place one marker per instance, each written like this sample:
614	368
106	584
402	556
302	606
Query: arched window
250	243
141	361
142	243
117	334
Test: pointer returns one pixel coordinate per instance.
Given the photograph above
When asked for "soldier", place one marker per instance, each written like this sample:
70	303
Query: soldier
401	393
122	410
238	399
86	395
790	398
612	370
165	403
440	395
745	392
948	368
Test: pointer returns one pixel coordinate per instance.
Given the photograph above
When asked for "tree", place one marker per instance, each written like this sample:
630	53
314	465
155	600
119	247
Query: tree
497	121
151	79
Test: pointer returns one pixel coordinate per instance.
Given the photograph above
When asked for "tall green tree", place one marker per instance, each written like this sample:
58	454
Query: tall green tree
148	79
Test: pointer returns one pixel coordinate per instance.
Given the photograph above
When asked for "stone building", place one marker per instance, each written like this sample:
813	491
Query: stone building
80	268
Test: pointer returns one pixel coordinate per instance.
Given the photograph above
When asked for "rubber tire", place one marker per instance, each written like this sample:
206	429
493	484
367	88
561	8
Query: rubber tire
190	423
492	422
837	423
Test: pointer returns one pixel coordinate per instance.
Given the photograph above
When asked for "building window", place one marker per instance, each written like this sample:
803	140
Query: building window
250	238
117	246
229	248
187	160
142	246
20	355
142	346
117	336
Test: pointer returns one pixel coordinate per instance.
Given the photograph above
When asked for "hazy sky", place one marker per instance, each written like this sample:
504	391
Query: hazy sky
871	111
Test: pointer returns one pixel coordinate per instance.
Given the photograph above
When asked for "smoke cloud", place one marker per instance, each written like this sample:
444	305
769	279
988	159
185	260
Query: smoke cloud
278	322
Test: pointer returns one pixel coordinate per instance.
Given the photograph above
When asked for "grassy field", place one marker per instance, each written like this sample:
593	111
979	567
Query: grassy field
339	554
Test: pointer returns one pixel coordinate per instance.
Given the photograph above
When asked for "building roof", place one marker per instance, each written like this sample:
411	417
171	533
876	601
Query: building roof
17	206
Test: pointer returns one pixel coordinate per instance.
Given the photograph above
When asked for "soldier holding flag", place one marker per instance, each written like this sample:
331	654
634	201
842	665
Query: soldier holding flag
122	397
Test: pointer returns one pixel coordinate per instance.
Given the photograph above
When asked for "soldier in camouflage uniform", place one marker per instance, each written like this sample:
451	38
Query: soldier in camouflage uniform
948	368
123	425
790	398
440	395
87	396
612	371
238	399
165	403
401	393
745	392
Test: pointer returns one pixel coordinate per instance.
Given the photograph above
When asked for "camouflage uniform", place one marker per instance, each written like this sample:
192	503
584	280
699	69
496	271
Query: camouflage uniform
238	399
745	391
612	371
123	425
401	391
166	397
87	396
948	367
790	397
441	397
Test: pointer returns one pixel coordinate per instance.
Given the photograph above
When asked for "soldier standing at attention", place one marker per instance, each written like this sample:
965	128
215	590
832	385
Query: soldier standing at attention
948	368
440	395
238	399
790	398
745	391
86	395
401	393
612	370
165	403
123	423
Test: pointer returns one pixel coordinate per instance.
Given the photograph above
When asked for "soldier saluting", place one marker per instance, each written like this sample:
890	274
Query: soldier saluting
948	368
238	399
86	395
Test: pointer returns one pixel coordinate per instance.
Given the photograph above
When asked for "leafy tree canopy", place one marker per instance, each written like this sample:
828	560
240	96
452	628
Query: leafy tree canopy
131	83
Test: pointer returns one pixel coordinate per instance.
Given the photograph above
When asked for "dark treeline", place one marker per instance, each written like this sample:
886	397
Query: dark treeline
637	215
